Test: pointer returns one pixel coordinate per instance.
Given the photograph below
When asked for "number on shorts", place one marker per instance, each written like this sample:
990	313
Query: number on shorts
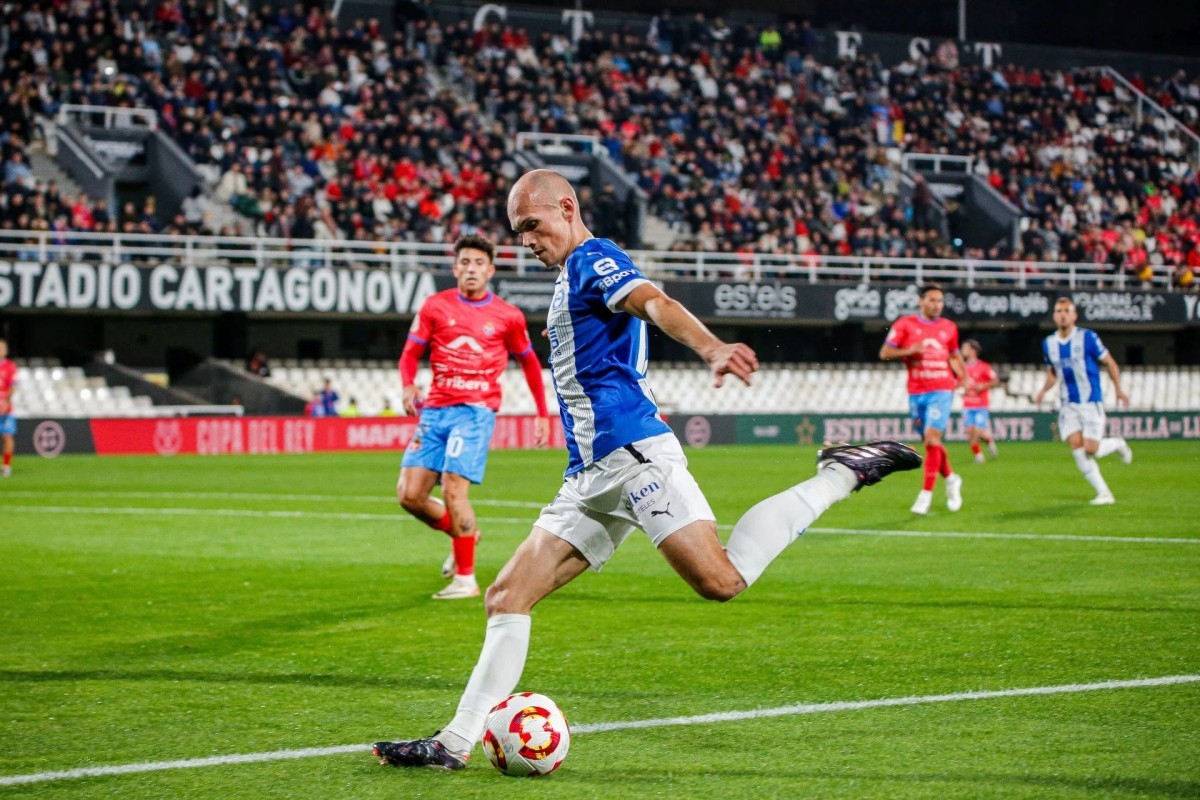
454	446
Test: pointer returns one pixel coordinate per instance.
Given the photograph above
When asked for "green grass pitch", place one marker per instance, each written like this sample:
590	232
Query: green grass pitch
155	610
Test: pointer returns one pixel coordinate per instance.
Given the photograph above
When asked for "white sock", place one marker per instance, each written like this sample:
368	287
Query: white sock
766	529
1108	446
1090	470
495	676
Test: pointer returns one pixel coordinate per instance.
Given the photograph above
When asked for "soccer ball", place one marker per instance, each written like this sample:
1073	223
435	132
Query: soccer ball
526	735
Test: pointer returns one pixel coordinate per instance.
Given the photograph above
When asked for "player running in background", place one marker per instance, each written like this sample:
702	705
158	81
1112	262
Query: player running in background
625	469
329	399
8	420
928	344
1073	357
469	334
980	378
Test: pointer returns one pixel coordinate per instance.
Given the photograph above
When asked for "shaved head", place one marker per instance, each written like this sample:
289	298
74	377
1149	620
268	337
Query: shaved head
544	213
541	187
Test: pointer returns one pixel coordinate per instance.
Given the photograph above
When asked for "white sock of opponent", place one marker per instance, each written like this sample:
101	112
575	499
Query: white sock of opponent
1090	470
766	529
1108	446
500	664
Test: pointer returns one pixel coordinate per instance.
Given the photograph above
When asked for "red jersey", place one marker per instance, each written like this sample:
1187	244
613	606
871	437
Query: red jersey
980	372
928	371
469	342
8	382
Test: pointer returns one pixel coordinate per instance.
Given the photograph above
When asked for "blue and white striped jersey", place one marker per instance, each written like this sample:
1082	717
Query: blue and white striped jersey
598	355
1076	360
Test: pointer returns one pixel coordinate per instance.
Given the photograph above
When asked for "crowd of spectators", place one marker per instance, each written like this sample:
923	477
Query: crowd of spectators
745	141
308	130
742	140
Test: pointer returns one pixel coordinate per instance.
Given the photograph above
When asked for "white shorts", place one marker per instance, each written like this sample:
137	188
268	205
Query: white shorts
597	508
1086	417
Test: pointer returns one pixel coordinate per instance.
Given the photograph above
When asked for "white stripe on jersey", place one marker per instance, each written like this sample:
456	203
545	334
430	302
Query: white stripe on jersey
571	395
1076	361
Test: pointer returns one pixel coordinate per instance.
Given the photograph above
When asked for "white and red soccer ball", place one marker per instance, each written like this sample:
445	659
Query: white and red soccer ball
526	735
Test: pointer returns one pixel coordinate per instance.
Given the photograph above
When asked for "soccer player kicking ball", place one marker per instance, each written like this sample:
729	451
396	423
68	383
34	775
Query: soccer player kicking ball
469	334
625	468
928	344
976	401
1075	355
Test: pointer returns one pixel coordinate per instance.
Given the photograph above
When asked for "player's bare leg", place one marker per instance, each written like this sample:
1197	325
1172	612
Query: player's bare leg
937	462
465	533
696	554
413	491
6	469
990	440
973	441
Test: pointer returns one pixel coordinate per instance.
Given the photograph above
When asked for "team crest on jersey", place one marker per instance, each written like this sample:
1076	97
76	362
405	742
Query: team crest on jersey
489	329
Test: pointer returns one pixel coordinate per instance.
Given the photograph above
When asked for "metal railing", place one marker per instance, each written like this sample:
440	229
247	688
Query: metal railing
938	162
64	247
108	116
561	142
1143	102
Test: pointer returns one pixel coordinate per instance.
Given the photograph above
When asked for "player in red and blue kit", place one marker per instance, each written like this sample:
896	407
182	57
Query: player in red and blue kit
469	334
976	400
928	344
8	421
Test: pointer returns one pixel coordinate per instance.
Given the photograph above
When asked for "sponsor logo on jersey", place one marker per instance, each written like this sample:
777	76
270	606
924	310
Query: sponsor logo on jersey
612	280
605	266
467	342
462	384
643	493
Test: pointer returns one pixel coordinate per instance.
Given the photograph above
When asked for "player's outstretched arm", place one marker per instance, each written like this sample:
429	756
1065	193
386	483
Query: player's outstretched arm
1114	372
890	352
652	304
959	368
410	358
1047	385
532	368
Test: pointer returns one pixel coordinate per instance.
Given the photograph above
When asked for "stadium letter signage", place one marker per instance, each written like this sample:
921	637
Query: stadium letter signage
217	288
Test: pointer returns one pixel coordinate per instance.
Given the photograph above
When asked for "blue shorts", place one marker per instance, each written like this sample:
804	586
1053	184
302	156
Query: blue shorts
975	418
8	425
452	439
932	409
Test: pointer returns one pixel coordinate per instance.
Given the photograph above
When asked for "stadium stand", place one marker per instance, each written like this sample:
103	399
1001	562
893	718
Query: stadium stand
744	145
779	388
46	389
744	141
50	390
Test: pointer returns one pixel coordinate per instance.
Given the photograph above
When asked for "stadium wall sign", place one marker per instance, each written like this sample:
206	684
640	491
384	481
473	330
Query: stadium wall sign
172	287
218	436
813	429
801	301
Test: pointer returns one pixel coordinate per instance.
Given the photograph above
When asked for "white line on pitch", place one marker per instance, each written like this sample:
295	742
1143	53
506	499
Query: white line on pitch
382	497
399	517
604	727
1061	537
